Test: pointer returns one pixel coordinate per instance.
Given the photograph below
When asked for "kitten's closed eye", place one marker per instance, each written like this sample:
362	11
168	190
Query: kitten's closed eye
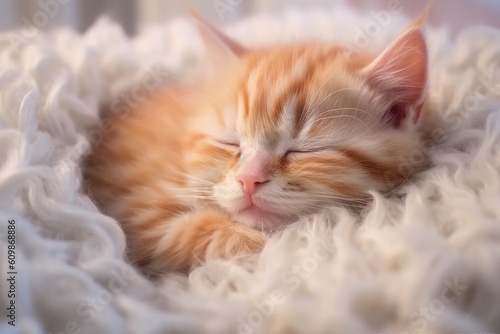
308	150
227	141
230	145
296	152
233	144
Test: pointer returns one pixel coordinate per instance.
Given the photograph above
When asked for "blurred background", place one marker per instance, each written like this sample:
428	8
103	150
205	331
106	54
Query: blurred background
135	15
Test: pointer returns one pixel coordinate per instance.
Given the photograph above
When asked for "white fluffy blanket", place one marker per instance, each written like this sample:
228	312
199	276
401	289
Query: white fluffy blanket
425	262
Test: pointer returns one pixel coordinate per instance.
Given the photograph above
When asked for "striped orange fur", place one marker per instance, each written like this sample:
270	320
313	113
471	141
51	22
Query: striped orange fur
205	171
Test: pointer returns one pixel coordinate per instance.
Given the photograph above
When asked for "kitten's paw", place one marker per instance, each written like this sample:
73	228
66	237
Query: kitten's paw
251	242
241	241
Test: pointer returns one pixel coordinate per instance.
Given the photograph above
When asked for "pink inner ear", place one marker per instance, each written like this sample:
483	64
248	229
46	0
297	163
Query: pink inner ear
395	115
400	73
401	70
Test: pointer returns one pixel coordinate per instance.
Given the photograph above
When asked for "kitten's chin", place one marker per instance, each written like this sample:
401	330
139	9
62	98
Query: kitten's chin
263	220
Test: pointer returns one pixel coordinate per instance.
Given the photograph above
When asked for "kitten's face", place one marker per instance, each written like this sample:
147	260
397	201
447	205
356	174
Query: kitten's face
302	128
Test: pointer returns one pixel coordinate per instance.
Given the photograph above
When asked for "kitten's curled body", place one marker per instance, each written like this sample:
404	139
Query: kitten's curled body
203	171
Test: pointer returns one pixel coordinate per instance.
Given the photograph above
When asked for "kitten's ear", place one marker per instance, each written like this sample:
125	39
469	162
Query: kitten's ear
220	47
401	69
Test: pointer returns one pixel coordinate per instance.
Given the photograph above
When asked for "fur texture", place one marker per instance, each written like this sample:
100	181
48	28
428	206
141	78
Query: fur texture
424	261
273	135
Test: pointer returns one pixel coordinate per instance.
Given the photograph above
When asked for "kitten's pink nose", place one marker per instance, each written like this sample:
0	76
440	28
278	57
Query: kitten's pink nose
250	182
253	172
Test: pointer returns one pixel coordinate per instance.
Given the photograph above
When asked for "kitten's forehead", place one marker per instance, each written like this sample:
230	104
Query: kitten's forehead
285	92
274	90
276	136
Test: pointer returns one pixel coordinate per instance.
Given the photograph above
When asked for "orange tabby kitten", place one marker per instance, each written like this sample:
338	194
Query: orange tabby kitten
277	133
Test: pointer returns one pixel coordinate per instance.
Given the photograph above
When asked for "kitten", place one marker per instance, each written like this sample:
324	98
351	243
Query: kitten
276	133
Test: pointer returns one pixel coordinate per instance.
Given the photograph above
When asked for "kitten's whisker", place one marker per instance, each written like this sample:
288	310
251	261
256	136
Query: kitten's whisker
188	192
196	178
312	105
341	201
332	93
326	195
192	197
399	186
323	208
346	108
204	189
313	196
341	116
